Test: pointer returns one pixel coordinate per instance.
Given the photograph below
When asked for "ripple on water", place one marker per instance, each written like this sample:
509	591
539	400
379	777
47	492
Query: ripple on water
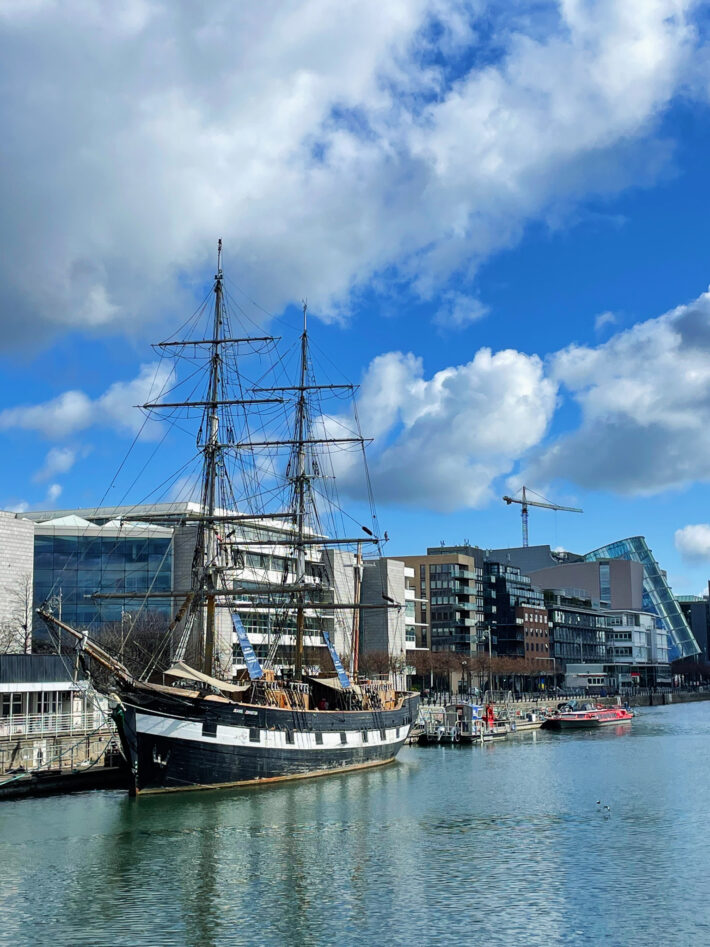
451	845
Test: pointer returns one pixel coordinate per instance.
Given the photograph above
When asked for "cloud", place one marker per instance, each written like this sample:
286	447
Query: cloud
59	460
604	319
693	542
441	441
644	396
17	506
404	141
75	411
54	492
459	311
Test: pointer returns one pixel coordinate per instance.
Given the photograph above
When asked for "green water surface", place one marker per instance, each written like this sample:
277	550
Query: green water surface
502	844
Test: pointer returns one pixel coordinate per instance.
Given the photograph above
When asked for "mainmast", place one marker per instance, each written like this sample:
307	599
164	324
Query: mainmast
301	478
212	449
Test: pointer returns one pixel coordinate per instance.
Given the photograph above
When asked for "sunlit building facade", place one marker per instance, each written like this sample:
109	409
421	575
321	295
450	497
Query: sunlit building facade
657	595
76	559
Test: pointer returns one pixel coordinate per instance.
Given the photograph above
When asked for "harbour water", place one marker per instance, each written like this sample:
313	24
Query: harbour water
501	844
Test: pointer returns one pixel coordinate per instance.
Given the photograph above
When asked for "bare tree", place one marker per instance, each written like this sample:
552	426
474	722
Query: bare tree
16	629
375	662
138	641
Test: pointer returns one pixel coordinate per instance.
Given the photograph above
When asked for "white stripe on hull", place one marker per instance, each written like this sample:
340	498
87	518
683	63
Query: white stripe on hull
174	728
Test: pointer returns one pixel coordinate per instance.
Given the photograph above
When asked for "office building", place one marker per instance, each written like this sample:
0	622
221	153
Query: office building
143	561
636	650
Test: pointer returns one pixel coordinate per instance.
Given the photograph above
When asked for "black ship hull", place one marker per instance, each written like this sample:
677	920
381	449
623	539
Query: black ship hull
187	743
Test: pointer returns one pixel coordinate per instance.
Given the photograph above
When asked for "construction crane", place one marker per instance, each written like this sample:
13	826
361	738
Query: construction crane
525	503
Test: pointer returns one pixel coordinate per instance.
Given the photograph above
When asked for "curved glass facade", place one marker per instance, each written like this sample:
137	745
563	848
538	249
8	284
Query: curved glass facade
657	595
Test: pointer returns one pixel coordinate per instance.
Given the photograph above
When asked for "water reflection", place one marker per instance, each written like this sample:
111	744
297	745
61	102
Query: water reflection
501	844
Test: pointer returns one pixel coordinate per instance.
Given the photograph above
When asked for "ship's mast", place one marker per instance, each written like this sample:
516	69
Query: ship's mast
212	449
301	478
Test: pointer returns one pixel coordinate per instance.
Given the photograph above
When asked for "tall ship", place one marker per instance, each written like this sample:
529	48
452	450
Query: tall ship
296	706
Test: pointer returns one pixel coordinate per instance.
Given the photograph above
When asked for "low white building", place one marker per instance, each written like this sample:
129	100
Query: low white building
48	719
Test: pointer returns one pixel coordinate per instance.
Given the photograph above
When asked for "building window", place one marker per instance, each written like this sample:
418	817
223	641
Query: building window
604	582
11	704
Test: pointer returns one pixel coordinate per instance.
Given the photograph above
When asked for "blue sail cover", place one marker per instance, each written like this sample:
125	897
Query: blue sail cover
252	662
342	676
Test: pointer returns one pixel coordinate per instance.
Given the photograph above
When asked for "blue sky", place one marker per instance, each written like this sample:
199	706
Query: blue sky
498	215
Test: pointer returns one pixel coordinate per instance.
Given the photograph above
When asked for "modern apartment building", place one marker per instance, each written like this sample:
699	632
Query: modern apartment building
517	614
448	583
579	638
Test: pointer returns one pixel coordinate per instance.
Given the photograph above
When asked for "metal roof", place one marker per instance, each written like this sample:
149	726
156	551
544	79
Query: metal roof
36	668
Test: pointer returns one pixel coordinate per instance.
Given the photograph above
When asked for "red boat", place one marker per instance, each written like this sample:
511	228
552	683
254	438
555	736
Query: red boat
587	717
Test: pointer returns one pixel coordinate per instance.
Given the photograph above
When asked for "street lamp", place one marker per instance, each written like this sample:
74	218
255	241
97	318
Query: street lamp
463	678
486	627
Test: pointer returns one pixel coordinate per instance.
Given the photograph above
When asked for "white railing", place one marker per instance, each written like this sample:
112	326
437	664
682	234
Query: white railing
47	724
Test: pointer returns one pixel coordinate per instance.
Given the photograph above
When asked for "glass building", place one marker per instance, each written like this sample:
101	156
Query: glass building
75	558
657	595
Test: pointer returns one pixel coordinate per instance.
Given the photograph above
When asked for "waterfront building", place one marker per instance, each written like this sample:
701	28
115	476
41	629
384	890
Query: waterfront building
606	649
516	612
49	717
448	584
137	553
388	634
142	556
579	638
658	597
636	650
76	557
614	583
696	609
531	558
16	583
412	602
